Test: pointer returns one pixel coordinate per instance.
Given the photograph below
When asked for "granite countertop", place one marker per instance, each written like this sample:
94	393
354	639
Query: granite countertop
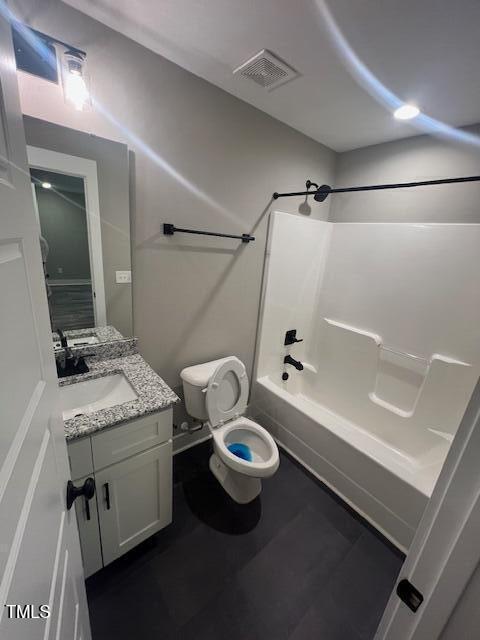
103	334
153	394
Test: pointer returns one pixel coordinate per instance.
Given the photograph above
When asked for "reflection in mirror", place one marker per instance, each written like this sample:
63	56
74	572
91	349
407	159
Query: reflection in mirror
80	186
67	250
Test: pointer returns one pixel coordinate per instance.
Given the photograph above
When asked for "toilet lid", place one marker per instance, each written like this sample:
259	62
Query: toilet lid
227	392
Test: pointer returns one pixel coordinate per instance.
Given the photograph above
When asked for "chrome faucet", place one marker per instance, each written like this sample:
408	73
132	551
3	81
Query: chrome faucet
295	363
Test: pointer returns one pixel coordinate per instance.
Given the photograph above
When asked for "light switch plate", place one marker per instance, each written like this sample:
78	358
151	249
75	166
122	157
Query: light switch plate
123	277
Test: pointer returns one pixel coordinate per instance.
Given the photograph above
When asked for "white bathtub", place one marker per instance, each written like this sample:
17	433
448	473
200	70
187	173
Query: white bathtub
391	348
387	482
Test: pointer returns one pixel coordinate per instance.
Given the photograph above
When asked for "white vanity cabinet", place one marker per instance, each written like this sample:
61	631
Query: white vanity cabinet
132	468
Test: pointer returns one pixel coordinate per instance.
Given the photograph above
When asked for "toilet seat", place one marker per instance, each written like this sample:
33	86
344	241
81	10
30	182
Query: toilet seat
227	392
266	457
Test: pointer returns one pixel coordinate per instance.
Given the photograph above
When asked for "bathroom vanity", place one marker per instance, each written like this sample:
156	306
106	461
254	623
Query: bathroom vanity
118	426
131	465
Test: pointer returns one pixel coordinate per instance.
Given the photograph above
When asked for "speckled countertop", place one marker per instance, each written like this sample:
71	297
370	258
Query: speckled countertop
153	394
103	334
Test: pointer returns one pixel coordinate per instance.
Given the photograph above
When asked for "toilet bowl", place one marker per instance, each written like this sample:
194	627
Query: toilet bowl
243	451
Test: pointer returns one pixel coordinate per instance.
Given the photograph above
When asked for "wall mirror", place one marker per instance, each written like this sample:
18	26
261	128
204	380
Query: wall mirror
80	188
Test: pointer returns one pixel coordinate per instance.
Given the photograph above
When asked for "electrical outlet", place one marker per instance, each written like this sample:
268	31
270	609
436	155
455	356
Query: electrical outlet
123	277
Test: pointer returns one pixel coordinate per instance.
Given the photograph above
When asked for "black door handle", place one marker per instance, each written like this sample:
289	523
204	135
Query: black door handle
87	508
87	489
107	494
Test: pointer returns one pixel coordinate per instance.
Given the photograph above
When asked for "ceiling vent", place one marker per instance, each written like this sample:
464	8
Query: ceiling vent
266	70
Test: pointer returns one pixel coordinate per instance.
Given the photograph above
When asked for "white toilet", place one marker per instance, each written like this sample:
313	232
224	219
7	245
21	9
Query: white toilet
244	452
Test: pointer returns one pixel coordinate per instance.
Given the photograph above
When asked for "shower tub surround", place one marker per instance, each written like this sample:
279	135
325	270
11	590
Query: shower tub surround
390	320
153	394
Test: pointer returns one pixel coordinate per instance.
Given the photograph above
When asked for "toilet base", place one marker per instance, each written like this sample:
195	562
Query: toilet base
241	488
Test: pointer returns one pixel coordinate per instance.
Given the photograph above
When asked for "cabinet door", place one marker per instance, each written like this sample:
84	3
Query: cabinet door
134	500
89	531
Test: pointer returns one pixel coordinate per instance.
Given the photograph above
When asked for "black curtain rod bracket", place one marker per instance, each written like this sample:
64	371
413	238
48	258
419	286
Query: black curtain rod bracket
170	229
324	190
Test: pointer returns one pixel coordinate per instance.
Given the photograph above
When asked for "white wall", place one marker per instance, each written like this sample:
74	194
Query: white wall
465	619
210	161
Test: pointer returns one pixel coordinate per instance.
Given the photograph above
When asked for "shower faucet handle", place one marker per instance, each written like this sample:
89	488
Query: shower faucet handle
291	337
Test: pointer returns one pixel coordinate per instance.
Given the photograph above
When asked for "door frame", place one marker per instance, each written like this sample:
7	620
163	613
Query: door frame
445	552
86	169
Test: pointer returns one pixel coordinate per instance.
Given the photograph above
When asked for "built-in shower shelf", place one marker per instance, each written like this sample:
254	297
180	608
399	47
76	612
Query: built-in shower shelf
361	332
443	434
400	382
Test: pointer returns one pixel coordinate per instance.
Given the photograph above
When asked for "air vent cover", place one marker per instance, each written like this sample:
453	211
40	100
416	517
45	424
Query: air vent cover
267	70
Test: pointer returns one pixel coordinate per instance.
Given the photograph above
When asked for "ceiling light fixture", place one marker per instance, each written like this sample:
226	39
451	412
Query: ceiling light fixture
72	62
406	112
74	84
46	185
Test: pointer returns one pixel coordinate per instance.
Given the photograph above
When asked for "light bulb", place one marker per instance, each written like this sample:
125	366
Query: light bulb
76	90
46	185
74	85
406	112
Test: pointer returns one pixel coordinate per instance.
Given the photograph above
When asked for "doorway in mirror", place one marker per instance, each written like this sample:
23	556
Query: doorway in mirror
65	243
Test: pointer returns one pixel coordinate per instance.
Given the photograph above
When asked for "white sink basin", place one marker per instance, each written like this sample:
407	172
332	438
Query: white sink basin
82	341
93	395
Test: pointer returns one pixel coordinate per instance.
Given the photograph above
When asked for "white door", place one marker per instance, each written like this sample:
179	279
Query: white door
40	560
446	549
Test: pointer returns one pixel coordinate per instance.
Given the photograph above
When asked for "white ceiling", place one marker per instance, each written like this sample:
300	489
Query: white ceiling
425	51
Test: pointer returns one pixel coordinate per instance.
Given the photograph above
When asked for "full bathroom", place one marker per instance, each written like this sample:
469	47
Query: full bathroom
240	374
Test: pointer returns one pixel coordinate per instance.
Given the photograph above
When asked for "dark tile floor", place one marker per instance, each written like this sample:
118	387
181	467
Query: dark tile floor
296	563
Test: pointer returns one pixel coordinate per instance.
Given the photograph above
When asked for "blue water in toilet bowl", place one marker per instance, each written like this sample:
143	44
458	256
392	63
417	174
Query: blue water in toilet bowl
241	451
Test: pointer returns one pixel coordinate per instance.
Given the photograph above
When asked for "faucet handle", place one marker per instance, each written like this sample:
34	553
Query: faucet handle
291	337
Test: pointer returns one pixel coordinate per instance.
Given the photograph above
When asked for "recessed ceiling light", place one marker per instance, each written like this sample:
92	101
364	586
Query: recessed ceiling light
406	112
46	185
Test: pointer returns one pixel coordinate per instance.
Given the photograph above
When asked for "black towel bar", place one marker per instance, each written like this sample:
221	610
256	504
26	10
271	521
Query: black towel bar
170	229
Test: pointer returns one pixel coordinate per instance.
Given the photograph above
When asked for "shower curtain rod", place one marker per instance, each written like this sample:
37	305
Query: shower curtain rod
320	193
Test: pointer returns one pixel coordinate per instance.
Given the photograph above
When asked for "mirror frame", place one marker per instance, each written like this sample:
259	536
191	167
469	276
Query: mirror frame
86	169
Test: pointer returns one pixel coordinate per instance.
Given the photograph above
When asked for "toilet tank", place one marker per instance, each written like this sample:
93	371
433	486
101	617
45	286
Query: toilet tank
194	380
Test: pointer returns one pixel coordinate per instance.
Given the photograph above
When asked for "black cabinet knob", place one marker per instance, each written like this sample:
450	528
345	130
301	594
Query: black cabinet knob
87	489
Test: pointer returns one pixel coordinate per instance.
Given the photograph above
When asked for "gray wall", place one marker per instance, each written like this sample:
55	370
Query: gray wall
213	162
64	225
113	192
419	158
464	622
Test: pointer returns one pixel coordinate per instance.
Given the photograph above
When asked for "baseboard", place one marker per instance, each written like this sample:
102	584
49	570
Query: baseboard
189	445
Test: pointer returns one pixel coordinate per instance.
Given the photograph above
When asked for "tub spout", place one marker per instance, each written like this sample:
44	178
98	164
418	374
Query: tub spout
295	363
